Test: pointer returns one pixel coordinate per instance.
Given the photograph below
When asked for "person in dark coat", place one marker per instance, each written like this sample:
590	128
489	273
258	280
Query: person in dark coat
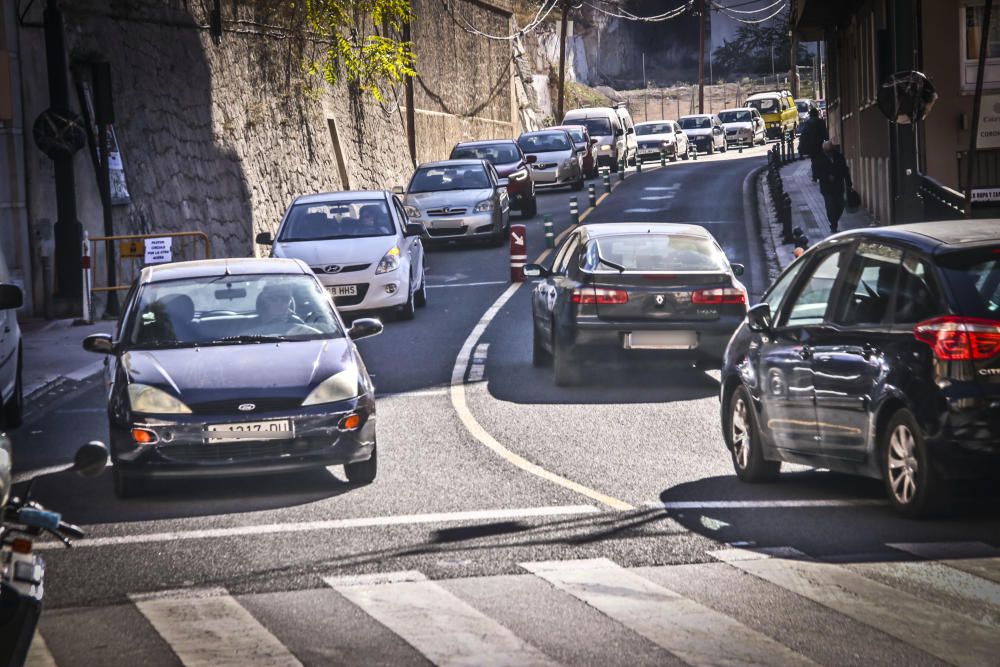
812	138
834	181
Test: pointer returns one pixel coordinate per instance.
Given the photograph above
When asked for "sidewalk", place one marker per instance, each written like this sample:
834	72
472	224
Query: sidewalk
53	351
808	213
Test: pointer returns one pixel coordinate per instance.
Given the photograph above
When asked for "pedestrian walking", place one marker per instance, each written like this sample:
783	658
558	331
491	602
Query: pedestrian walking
812	138
834	181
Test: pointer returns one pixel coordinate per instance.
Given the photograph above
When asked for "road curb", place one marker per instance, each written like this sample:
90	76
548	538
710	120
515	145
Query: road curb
759	258
82	374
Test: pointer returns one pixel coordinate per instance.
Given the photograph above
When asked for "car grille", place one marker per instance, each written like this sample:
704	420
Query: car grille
446	211
448	231
352	300
544	165
343	269
731	130
222	452
649	144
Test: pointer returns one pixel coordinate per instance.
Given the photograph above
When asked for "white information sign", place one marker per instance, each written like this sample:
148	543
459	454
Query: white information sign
159	251
989	123
986	194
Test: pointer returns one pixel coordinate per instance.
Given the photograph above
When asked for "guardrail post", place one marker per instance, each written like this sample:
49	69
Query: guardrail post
87	277
592	194
518	252
550	236
574	212
786	223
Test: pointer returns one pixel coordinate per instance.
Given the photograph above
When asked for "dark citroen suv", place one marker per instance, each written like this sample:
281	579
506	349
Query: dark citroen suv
875	353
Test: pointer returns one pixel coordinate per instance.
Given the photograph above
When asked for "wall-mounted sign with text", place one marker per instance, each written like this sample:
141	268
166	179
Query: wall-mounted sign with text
989	123
159	251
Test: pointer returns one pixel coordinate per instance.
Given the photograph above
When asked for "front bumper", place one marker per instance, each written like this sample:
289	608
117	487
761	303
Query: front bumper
372	291
554	176
653	153
469	226
183	448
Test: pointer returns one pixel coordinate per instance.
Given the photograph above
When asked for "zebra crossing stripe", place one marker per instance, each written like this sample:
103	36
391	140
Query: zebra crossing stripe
38	653
208	628
694	633
948	635
446	630
975	558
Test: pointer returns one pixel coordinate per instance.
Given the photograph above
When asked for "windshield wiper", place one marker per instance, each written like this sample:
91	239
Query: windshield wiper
248	338
606	262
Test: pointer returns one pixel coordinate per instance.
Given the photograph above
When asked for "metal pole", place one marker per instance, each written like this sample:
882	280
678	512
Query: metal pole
701	57
562	62
411	112
104	118
793	63
984	38
643	69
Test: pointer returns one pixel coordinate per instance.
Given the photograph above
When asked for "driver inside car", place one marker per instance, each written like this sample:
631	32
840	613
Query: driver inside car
276	316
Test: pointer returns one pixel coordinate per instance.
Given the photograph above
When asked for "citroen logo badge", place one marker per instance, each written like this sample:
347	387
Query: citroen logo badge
332	268
246	407
659	299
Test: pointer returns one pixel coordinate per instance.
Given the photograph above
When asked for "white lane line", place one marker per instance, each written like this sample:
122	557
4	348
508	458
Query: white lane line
38	653
948	635
343	581
488	282
460	403
694	633
669	188
975	558
208	628
764	504
445	629
330	524
654	198
644	210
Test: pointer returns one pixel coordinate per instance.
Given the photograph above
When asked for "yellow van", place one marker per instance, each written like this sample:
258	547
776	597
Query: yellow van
778	110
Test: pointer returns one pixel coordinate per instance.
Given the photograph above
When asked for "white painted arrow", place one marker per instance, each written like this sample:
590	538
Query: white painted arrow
517	239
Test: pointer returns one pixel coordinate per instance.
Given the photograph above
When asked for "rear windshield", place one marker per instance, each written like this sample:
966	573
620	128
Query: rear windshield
734	116
494	153
766	105
653	252
803	107
597	127
458	177
544	143
337	220
695	123
974	279
654	128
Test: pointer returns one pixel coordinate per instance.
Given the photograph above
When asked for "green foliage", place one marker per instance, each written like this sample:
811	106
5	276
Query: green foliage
750	52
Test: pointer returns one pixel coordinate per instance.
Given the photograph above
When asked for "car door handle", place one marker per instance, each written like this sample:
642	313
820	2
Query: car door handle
869	351
805	352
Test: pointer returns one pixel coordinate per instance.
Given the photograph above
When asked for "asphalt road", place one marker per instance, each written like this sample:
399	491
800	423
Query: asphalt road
483	479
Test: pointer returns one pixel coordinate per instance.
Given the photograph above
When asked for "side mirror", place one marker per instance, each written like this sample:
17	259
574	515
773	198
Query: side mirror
398	190
100	343
759	318
618	133
365	327
593	141
11	297
413	229
530	159
582	151
738	269
91	459
630	130
265	238
678	131
503	182
536	271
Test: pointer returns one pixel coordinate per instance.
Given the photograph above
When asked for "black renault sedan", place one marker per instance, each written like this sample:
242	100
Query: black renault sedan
876	353
634	292
235	367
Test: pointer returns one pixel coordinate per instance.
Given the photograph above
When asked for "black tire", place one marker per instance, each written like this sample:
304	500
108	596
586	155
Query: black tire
711	148
540	357
127	486
725	147
687	152
408	310
13	410
578	184
914	487
673	158
363	472
744	441
420	296
530	209
496	239
614	166
565	373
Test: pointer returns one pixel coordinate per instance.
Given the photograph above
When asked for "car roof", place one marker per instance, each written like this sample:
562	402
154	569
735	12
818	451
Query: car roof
697	115
654	122
485	142
766	94
598	229
590	112
467	162
233	266
548	130
935	237
738	109
566	126
344	195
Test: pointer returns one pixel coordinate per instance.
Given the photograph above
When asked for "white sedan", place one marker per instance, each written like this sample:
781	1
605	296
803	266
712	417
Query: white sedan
360	245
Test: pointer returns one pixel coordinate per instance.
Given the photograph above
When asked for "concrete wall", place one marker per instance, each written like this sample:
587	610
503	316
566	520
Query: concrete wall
220	137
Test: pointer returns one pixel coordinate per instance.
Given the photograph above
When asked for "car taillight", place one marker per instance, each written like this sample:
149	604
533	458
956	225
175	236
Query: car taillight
721	295
960	338
600	296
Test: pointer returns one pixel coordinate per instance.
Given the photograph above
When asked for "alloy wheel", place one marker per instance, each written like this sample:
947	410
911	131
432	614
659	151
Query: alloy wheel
903	465
740	433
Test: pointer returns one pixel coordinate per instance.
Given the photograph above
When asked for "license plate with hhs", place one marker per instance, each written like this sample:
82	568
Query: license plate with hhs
275	429
343	290
661	340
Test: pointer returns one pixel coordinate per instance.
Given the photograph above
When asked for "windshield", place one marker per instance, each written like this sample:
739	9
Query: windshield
458	177
974	278
493	153
803	107
337	220
544	143
735	116
231	310
653	252
597	127
696	123
576	135
654	128
766	105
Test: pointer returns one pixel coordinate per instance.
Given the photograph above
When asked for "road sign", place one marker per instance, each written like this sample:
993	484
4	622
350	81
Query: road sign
159	250
518	252
131	249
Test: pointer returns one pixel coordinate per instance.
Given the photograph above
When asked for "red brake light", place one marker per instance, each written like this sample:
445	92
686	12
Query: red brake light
600	296
960	338
718	296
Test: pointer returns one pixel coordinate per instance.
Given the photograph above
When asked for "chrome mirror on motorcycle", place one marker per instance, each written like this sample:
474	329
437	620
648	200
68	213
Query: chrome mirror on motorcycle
91	459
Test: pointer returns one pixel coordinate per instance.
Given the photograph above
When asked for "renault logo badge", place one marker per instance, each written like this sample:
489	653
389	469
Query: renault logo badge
332	268
659	299
247	407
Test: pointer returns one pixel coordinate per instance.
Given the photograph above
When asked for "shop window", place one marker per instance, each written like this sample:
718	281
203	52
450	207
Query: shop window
971	17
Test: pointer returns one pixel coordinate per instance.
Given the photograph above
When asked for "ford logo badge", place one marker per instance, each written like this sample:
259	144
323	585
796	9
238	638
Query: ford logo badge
246	407
332	268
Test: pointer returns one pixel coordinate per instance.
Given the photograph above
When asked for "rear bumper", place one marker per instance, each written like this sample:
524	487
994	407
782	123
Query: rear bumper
475	225
597	341
968	446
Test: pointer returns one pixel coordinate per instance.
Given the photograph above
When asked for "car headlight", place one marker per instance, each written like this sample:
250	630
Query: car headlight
412	211
666	143
337	387
151	400
518	175
390	262
605	147
484	206
568	163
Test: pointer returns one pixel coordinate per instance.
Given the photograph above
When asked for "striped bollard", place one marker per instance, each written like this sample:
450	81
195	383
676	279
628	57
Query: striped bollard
741	146
592	194
574	213
518	252
694	154
663	158
607	180
638	166
550	236
622	166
